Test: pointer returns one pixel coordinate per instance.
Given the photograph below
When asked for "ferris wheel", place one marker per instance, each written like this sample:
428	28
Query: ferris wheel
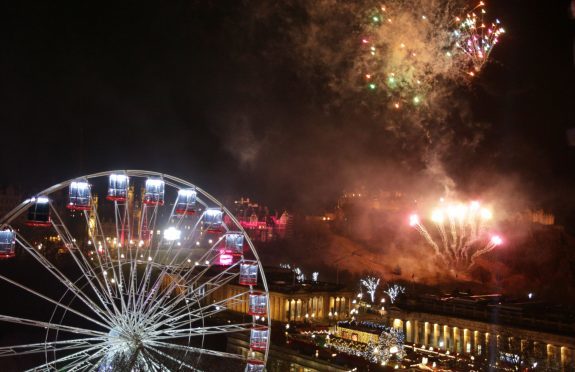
136	280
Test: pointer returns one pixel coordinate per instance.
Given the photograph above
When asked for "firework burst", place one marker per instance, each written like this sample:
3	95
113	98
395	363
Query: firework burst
461	234
475	39
409	48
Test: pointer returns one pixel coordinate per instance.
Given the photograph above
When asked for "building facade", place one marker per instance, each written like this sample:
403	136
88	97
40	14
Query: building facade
305	304
474	337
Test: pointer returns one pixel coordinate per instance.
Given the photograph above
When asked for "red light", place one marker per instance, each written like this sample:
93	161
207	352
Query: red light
225	258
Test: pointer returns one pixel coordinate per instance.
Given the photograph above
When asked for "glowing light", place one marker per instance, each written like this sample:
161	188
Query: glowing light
413	220
79	185
187	192
41	200
119	177
496	240
437	216
486	214
154	182
225	259
171	234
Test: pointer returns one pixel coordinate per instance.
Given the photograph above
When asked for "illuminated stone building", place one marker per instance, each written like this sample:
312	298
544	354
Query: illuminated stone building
483	326
294	302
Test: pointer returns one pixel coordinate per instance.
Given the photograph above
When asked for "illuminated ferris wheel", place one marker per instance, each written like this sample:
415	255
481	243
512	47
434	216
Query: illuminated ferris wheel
137	280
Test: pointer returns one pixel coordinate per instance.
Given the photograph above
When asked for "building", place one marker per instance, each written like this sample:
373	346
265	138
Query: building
487	326
291	301
260	224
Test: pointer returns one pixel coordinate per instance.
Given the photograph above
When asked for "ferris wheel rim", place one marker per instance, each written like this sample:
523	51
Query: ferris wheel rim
175	182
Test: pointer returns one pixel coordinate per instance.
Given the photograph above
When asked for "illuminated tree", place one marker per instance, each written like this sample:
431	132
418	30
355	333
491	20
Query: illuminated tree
299	275
389	346
394	291
370	283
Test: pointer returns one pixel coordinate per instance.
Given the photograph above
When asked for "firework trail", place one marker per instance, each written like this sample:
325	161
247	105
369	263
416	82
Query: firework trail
475	39
461	233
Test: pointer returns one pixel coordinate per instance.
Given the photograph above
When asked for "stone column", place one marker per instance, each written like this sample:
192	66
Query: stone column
407	330
566	358
466	341
446	338
436	335
491	343
453	334
457	339
416	332
426	331
551	354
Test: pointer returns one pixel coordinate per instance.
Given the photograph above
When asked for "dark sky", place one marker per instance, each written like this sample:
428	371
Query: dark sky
214	92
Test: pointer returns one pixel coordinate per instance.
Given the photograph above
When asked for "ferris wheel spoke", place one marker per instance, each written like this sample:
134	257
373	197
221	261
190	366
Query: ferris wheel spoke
195	350
166	295
64	280
45	325
2	277
216	281
147	230
155	361
171	358
103	293
184	317
75	359
182	321
90	363
50	346
192	279
164	268
200	331
145	285
218	306
117	280
106	257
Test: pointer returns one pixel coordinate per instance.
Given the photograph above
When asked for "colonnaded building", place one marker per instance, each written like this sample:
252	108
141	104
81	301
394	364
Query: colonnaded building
488	326
291	301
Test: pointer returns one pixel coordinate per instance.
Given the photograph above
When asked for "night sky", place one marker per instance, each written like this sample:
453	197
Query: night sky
221	93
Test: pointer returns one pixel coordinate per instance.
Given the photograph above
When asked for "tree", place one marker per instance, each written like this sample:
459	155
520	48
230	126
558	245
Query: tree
370	283
389	346
394	291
